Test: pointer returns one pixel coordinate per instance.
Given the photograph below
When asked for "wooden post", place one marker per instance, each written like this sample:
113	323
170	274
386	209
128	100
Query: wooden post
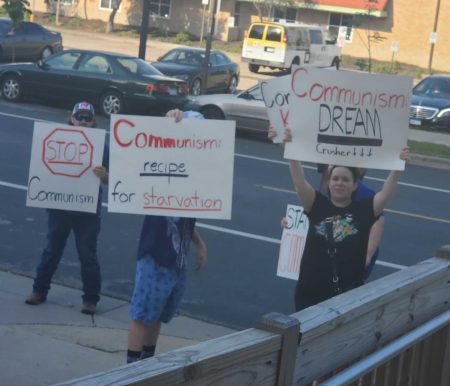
289	329
444	252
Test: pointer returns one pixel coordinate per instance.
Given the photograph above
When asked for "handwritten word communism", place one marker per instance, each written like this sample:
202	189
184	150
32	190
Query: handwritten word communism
35	193
143	138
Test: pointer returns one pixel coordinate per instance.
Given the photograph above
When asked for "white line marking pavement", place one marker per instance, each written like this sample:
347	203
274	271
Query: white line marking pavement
224	230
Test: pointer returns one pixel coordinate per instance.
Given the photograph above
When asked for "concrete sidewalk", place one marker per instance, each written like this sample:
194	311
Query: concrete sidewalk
54	342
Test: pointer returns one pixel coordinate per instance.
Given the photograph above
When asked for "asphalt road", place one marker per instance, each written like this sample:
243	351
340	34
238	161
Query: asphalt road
239	283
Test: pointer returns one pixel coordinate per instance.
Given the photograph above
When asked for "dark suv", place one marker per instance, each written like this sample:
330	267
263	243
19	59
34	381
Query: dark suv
430	103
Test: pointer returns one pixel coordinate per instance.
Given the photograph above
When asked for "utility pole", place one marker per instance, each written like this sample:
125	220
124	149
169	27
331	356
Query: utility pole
208	45
436	19
144	29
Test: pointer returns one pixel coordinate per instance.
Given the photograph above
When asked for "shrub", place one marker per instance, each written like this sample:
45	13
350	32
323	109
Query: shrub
182	37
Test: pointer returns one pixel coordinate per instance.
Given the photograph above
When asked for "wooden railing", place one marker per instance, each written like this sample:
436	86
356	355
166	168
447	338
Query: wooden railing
312	345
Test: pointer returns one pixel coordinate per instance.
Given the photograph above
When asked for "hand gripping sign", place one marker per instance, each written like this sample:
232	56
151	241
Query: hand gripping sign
62	158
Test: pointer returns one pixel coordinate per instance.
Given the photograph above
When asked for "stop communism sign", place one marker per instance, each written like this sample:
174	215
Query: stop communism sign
67	152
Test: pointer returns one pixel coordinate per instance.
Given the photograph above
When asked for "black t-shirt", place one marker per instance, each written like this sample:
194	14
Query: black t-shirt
351	228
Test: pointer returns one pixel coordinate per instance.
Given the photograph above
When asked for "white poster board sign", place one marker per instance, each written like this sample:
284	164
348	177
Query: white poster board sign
293	242
160	167
276	95
348	118
62	158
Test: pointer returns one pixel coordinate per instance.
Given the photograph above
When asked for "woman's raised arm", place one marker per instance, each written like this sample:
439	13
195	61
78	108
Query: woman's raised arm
382	198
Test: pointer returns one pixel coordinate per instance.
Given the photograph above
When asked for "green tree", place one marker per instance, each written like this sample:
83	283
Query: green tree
16	10
371	37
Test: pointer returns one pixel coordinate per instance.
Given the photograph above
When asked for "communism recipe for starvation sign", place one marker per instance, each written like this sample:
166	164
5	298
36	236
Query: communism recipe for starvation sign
62	158
162	167
348	118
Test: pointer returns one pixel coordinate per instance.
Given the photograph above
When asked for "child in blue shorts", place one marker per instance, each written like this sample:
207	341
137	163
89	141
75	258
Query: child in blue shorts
160	276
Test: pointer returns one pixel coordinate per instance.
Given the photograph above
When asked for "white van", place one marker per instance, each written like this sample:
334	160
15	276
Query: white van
280	45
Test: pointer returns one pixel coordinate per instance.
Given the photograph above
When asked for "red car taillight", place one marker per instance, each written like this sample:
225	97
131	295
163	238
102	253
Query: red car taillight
159	88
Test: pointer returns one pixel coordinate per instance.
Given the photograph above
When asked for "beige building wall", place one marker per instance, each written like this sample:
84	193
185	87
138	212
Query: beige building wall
410	26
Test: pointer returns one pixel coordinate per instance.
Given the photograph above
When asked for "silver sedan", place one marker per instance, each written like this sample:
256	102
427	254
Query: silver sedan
246	108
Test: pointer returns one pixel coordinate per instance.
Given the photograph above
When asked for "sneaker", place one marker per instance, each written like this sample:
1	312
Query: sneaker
35	299
88	309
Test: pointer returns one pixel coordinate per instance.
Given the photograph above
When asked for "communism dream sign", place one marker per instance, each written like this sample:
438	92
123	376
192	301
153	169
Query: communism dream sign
62	158
348	118
161	167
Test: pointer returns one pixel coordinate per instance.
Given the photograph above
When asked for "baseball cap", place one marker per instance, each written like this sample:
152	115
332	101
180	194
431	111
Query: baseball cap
193	114
83	109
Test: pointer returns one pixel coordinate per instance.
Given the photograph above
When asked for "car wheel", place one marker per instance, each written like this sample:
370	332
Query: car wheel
212	112
111	103
336	63
295	62
196	88
46	52
253	67
12	88
233	85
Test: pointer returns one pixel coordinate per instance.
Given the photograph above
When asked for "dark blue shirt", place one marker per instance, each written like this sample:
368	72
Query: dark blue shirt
166	240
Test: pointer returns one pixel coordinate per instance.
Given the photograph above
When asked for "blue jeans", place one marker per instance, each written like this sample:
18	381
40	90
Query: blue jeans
86	228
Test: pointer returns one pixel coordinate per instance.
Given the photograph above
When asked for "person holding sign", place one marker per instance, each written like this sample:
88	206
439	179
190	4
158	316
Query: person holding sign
86	228
160	273
335	252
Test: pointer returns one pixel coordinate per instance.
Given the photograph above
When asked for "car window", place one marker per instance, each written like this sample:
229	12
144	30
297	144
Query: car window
274	34
5	26
31	28
256	32
255	92
437	87
315	36
171	56
221	58
137	66
97	64
65	61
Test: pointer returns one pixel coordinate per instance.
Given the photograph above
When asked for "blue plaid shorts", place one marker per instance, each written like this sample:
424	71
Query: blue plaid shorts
157	292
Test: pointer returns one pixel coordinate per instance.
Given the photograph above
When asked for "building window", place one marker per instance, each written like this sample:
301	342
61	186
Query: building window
108	4
160	8
285	13
338	20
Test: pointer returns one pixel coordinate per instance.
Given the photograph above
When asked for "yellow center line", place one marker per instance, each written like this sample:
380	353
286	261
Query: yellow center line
436	219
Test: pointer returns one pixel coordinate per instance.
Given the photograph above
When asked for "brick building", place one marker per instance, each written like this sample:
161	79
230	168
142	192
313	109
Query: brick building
400	29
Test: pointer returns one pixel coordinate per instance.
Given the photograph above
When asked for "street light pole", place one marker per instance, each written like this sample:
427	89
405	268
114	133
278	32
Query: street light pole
208	45
436	19
144	29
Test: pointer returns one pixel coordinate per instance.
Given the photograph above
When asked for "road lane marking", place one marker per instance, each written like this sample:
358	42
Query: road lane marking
225	230
366	177
420	216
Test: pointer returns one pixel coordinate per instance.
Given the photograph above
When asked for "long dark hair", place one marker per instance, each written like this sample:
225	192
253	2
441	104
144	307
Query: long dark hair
356	174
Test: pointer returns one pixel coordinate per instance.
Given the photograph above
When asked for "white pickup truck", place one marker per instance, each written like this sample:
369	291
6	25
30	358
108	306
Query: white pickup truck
280	45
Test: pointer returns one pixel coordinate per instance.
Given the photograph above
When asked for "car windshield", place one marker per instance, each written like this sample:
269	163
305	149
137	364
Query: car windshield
434	87
5	26
193	58
138	66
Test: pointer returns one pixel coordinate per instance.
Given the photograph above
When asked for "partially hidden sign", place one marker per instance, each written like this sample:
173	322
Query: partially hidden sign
62	158
293	242
276	96
348	118
162	167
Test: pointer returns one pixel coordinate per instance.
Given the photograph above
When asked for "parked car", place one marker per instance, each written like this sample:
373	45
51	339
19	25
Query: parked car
430	103
27	42
247	108
187	64
115	83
